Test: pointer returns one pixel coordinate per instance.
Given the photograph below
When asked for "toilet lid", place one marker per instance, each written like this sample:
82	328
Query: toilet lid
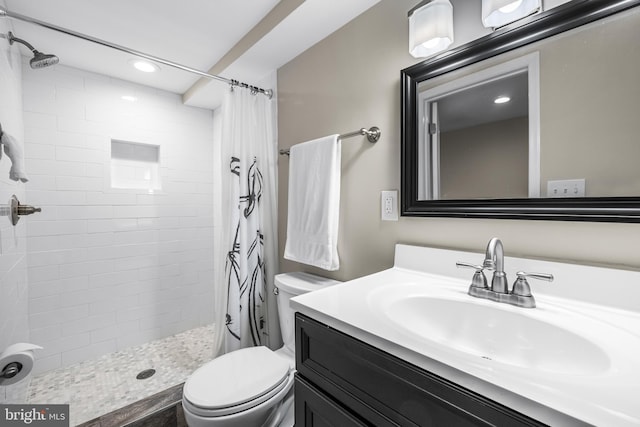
235	378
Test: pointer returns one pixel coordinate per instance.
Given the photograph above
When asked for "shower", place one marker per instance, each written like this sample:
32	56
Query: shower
39	60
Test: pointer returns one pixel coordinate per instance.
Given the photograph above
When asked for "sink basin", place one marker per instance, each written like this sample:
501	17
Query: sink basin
543	340
499	335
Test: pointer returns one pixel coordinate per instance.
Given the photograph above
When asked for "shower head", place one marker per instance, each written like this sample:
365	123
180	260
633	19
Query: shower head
39	60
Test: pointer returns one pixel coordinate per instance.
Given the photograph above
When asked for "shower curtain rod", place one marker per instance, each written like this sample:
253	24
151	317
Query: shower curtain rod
373	135
254	89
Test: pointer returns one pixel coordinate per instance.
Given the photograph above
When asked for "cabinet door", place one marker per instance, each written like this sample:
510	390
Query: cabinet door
314	409
385	390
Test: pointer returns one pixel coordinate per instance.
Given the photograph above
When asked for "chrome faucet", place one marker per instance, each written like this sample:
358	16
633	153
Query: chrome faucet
520	294
494	260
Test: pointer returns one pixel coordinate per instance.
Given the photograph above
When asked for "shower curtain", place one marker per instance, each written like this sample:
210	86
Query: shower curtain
247	249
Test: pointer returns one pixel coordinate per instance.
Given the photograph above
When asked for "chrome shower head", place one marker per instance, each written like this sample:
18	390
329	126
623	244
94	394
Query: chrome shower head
39	60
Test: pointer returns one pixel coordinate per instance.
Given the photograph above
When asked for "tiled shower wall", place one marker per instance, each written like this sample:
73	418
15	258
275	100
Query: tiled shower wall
110	268
13	260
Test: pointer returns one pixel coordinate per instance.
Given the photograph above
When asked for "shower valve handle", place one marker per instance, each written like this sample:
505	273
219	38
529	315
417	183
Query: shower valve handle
27	210
18	210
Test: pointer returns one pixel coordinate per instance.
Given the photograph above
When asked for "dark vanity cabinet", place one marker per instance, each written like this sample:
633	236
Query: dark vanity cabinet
342	381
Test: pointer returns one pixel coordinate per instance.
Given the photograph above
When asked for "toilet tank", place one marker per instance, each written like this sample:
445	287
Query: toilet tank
289	285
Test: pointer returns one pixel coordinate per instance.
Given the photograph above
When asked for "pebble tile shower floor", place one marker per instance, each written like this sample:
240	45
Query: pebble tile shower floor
98	386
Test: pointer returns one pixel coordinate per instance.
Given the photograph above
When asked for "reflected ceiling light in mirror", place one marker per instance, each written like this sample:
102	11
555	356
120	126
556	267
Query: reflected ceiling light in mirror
502	100
430	27
496	13
144	66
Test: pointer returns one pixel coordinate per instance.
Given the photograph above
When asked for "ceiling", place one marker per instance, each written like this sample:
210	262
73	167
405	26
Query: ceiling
245	40
475	105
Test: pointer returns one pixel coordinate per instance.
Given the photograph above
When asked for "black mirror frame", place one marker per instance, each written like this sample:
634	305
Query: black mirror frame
532	29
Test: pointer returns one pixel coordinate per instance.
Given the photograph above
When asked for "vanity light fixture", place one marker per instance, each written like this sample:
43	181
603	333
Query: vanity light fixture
144	66
502	100
496	13
430	27
129	98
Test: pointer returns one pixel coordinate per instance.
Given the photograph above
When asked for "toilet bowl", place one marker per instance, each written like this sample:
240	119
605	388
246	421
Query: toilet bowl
252	386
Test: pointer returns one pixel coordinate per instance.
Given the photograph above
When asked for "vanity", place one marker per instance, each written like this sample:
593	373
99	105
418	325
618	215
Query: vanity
410	346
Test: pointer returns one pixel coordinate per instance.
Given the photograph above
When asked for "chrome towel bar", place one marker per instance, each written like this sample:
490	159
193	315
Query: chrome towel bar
373	135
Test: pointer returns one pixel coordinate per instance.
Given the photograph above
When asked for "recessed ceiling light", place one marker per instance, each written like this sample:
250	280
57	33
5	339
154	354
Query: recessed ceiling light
129	98
502	99
145	66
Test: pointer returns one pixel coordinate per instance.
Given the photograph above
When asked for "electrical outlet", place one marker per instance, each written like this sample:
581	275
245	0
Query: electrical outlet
566	188
389	205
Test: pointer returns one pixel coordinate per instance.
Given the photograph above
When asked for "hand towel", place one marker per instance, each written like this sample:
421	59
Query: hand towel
314	203
13	149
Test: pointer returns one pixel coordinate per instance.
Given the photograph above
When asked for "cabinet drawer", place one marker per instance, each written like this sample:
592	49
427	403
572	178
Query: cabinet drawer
385	390
314	409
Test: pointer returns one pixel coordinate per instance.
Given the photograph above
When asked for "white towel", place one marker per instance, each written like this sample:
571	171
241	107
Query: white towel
13	149
314	203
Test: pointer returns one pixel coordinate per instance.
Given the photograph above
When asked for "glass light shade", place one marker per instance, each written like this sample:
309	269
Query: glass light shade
496	13
430	28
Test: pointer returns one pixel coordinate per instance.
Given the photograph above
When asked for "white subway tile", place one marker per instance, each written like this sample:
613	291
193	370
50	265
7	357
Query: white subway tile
50	228
59	316
92	350
38	98
42	274
109	279
33	121
75	169
41	167
43	243
70	102
124	224
100	225
42	182
99	239
71	139
95	170
56	286
73	154
88	324
85	268
71	241
102	198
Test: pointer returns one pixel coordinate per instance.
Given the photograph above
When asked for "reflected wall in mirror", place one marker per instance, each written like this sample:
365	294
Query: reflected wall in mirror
583	128
479	129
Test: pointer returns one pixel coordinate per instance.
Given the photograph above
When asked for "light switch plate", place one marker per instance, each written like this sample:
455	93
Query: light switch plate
389	205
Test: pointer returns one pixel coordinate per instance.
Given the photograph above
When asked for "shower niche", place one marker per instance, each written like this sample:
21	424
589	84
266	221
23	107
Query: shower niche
135	166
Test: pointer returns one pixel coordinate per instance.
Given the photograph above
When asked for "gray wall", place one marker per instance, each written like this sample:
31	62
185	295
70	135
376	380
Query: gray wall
477	169
350	80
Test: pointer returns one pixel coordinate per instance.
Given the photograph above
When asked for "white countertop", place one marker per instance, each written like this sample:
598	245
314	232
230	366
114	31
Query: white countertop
607	398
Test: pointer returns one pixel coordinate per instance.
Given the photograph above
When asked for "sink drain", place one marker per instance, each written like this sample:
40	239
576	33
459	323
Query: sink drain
147	373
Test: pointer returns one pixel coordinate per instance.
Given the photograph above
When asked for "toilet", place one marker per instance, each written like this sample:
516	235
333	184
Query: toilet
252	387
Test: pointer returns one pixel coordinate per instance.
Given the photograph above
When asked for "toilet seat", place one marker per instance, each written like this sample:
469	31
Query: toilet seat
236	381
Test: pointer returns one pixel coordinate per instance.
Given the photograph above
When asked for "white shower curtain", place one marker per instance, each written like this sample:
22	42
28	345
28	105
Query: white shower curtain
247	249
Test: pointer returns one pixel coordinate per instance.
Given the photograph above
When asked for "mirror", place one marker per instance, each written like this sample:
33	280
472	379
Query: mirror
565	147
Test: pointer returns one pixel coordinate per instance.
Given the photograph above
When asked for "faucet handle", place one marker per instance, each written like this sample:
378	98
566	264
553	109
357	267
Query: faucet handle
521	286
479	280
